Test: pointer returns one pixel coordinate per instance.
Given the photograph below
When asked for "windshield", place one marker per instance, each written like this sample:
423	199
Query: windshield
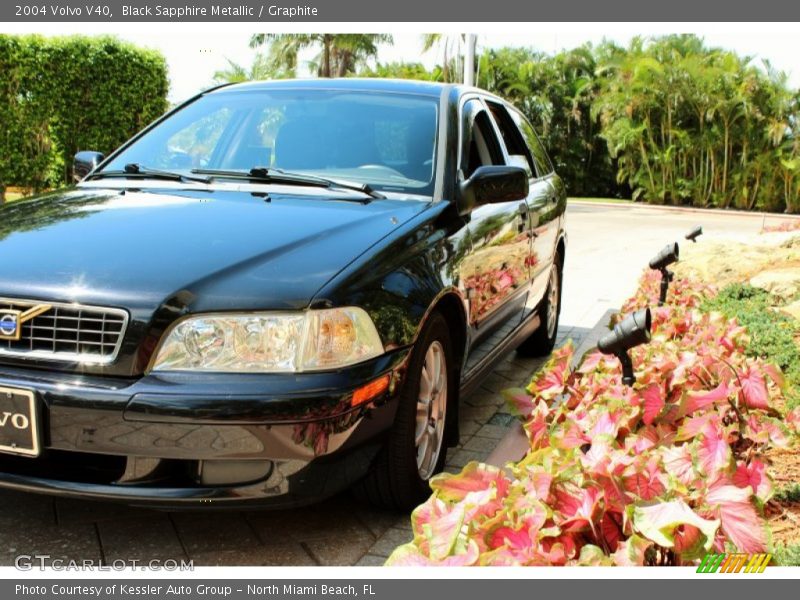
382	139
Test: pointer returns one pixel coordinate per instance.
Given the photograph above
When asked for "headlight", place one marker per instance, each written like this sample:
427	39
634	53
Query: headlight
314	340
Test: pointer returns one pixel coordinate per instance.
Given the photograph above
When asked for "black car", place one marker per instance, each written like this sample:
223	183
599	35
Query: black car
277	290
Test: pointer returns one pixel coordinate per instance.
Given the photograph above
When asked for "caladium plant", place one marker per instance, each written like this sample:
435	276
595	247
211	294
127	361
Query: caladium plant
658	473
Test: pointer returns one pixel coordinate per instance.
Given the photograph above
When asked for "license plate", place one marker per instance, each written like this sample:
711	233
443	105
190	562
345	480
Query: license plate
19	432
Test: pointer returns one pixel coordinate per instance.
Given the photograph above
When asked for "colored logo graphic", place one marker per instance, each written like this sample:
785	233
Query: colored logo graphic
734	563
8	324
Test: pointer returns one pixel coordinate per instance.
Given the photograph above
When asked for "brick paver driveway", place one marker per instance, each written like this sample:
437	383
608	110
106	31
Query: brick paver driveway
607	249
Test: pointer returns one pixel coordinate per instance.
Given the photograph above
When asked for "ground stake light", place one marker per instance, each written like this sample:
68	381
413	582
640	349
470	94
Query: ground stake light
632	331
667	256
694	234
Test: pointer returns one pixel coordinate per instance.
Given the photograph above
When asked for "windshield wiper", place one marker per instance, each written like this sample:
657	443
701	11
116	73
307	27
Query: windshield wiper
265	175
139	172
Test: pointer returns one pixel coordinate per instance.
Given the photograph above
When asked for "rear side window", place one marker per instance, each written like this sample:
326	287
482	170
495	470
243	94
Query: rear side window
518	153
540	158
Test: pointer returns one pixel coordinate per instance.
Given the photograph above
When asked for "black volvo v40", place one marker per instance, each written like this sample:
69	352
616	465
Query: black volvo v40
274	292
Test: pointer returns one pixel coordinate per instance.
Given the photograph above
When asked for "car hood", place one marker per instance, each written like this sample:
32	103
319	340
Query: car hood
212	249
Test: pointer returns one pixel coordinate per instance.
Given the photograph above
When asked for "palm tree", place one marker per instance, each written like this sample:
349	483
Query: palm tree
401	70
263	67
236	73
450	49
353	50
340	53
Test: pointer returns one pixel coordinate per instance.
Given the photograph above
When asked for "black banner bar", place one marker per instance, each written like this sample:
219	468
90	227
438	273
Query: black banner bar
701	586
448	11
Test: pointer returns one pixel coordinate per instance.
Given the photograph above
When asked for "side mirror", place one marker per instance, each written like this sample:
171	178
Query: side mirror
84	163
491	185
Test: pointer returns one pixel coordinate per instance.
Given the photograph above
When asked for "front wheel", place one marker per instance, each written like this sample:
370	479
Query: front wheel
542	341
416	449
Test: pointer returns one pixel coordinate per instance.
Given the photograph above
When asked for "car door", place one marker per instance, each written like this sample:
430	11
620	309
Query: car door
494	272
551	208
546	200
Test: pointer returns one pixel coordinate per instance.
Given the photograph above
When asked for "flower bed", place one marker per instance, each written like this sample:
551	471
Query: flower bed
658	473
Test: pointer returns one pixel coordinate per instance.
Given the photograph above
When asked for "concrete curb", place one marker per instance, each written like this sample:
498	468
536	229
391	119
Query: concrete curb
685	209
514	445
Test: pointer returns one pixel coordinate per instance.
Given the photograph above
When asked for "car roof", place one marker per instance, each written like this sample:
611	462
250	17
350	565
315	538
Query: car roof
405	86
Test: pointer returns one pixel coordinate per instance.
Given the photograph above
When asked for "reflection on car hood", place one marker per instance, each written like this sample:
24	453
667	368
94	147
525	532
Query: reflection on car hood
223	249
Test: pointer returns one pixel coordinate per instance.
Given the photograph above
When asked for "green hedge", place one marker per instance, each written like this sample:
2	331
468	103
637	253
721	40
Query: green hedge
62	95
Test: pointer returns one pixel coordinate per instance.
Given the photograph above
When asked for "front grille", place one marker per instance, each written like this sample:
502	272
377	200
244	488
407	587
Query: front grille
67	332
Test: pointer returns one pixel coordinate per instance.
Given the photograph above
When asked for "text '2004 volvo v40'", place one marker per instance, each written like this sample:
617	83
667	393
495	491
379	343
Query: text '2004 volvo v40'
274	292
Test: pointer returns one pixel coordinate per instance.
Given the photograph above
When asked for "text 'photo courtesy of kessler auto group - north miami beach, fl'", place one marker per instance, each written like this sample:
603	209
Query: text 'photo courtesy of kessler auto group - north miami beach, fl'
290	292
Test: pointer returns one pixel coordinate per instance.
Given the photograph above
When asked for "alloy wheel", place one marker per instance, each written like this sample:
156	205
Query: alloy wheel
552	302
431	409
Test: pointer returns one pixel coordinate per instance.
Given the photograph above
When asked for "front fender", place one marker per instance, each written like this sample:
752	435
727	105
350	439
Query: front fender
399	279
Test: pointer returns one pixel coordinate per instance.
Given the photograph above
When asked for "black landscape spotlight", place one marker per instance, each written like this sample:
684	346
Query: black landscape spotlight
694	234
667	256
632	331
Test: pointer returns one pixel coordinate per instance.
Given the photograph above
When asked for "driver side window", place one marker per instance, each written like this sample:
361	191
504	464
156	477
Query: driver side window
480	146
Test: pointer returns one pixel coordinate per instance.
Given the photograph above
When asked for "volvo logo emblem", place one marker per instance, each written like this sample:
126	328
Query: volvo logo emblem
8	325
11	321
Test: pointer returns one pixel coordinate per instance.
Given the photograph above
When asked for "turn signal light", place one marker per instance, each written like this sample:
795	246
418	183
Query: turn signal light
369	391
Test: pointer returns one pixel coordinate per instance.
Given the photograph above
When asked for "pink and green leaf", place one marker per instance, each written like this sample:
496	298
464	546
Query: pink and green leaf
653	403
741	524
755	477
754	388
661	522
702	400
714	454
632	552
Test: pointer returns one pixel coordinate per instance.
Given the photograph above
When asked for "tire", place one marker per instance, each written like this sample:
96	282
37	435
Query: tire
542	341
398	478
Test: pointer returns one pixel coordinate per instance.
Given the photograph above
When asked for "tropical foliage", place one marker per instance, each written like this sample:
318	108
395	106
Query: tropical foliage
557	94
264	66
450	50
402	70
665	120
658	473
64	94
696	125
340	54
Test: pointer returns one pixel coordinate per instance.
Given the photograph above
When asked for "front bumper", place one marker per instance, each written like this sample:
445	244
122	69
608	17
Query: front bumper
203	440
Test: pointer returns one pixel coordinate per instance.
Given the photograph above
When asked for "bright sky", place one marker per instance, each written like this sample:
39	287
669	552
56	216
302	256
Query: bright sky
194	57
